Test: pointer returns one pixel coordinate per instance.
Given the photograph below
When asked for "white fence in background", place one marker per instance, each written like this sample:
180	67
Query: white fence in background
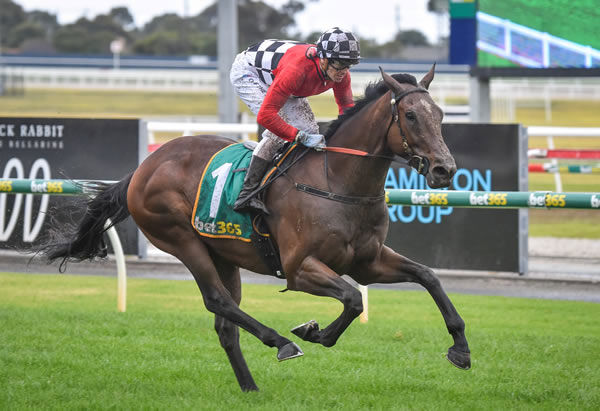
185	80
563	131
109	79
445	85
531	48
191	128
452	114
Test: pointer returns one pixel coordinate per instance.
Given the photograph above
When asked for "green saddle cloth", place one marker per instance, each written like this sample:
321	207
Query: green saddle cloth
218	190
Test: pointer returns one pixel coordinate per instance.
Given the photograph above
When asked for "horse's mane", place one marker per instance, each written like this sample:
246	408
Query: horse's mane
372	92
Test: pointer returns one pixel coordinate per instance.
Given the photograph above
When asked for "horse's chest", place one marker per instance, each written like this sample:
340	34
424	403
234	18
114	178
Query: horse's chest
366	245
341	236
356	239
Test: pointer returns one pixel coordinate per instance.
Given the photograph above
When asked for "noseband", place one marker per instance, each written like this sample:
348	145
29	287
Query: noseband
421	164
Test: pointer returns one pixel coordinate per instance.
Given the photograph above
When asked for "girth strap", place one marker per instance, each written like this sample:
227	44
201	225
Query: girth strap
354	200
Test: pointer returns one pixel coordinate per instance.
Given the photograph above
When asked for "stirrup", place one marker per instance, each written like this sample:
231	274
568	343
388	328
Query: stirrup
240	204
252	204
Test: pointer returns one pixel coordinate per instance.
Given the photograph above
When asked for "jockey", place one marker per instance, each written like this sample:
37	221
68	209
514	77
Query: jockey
274	78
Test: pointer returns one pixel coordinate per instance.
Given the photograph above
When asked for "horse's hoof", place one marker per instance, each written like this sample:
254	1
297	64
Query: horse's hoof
289	351
459	359
249	388
307	331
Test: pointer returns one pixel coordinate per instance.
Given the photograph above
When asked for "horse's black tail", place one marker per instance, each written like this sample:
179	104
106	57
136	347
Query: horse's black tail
84	240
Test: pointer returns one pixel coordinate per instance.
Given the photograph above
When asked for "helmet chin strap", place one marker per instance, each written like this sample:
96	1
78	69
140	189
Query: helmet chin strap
325	71
311	56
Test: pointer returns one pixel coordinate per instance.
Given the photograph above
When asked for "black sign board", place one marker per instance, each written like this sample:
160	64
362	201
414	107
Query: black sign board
63	148
489	157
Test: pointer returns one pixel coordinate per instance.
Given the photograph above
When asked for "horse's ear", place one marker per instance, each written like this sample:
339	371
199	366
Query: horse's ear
426	81
390	81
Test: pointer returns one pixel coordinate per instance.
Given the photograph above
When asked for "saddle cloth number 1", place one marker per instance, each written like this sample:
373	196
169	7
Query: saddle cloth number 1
220	174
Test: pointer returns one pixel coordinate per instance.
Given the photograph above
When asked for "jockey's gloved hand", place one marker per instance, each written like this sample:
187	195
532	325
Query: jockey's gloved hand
316	141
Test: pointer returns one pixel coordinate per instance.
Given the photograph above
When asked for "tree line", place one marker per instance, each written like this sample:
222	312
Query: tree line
168	34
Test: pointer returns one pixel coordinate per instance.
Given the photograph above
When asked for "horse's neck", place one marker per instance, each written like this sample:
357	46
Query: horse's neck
366	131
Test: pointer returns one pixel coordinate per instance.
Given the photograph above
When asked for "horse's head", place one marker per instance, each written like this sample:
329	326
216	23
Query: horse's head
417	132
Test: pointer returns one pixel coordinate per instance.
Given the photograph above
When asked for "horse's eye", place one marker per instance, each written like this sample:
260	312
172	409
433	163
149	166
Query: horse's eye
410	115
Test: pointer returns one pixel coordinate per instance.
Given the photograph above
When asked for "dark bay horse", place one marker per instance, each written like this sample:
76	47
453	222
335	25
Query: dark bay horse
319	239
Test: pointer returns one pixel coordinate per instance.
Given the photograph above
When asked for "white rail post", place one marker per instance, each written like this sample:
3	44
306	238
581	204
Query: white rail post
121	270
557	179
364	290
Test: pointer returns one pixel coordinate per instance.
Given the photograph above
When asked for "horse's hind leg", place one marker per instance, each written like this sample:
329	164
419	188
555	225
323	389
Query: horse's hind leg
391	267
228	332
183	242
219	301
229	337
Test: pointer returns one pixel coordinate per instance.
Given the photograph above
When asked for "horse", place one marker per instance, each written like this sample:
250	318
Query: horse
319	237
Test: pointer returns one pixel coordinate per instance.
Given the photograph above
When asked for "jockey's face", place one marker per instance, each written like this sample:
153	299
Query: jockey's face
336	70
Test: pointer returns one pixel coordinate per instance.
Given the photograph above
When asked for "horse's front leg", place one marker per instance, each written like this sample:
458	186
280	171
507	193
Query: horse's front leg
391	267
316	278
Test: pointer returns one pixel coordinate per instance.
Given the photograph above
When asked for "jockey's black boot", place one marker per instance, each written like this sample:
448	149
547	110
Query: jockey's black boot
254	175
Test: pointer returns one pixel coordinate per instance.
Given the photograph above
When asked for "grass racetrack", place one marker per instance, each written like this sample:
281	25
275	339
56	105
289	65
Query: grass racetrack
63	345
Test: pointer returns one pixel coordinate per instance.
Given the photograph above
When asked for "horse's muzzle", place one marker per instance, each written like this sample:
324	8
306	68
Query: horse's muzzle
440	176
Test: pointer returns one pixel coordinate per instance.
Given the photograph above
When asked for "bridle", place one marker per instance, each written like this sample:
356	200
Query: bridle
421	164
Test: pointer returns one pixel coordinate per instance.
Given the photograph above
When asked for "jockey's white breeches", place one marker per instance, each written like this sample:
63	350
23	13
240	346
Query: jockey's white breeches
296	111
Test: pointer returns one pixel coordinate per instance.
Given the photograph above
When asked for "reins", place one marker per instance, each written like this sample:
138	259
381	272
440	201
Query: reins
354	152
421	164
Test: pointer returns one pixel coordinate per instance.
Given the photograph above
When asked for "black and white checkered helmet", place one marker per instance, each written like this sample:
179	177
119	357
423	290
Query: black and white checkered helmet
338	44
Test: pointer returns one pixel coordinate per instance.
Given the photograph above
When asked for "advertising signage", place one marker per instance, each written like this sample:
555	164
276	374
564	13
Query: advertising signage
489	158
63	148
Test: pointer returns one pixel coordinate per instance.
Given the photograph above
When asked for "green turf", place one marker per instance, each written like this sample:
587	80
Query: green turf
551	223
109	103
64	346
570	181
485	59
565	113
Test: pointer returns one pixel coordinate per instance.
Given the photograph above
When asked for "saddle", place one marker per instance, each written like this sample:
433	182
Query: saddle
219	187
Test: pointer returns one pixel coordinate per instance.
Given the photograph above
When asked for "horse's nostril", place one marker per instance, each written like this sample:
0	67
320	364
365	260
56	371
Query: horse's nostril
440	172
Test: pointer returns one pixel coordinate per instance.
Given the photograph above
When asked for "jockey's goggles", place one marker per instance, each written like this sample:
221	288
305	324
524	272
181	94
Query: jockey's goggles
340	64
